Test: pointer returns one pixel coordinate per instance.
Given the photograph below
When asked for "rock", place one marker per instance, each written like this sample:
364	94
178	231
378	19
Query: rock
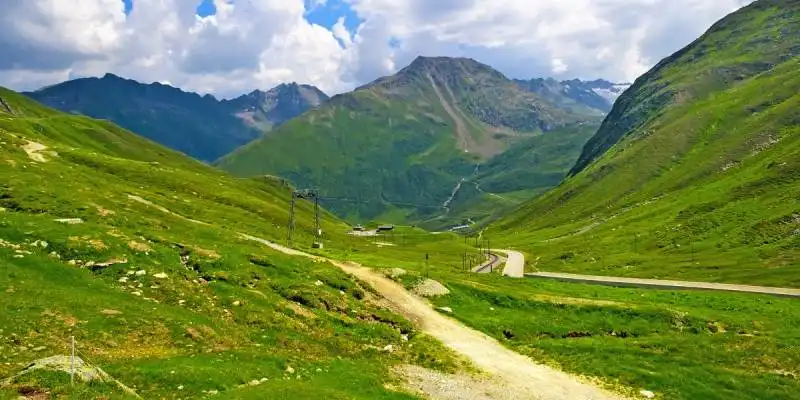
111	312
213	392
55	255
430	288
289	370
388	348
130	273
647	394
318	283
140	272
237	303
404	337
180	387
160	275
69	221
395	273
137	293
445	309
264	380
40	348
83	371
254	382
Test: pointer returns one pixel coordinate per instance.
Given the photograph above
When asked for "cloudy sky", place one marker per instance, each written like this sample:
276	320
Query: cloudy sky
228	47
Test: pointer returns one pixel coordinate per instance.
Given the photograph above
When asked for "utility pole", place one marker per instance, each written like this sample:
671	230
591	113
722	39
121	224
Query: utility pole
291	220
72	361
307	194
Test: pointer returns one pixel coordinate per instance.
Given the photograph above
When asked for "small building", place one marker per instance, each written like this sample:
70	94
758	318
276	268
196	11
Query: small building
358	228
385	228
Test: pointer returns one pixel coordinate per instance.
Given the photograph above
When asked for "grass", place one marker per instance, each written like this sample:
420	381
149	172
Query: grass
228	311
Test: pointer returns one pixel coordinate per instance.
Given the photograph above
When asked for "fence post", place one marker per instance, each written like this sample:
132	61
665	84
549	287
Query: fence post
72	360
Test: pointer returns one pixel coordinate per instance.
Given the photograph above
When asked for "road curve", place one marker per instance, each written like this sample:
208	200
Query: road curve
515	264
664	284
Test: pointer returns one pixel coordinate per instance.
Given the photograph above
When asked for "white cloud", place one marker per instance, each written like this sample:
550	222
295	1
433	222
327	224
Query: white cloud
252	44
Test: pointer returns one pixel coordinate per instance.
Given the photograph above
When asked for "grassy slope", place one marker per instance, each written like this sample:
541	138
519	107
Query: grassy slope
185	330
706	188
393	142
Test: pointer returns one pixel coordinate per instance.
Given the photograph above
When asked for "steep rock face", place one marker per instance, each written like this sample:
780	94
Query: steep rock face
396	147
200	126
276	106
702	152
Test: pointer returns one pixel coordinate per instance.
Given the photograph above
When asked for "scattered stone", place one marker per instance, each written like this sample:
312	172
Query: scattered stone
289	370
140	272
445	309
430	288
318	283
141	247
388	348
124	279
55	255
72	262
129	273
40	243
213	392
40	348
647	394
237	303
18	256
137	293
395	272
264	380
404	337
113	261
69	221
255	382
180	387
160	275
111	312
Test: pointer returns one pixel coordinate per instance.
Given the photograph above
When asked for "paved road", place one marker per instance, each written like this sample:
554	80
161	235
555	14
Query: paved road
488	266
515	265
664	284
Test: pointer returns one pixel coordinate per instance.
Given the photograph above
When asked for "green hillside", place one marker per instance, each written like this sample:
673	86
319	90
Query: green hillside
137	251
694	174
396	149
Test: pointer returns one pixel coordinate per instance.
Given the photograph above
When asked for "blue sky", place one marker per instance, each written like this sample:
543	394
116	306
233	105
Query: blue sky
324	15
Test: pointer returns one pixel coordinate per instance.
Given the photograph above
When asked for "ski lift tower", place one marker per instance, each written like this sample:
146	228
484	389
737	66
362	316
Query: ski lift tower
307	194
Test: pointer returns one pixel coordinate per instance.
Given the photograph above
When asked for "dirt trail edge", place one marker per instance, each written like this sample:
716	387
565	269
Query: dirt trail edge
523	378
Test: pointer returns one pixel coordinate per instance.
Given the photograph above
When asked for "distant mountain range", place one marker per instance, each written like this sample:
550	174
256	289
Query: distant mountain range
201	126
586	96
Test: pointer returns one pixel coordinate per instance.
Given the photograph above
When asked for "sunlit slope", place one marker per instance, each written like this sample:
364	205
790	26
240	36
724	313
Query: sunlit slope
705	185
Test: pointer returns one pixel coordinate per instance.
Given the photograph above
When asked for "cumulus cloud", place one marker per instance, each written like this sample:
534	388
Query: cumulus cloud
249	44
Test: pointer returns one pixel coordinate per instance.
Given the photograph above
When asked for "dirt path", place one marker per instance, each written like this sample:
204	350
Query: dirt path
516	376
515	265
664	284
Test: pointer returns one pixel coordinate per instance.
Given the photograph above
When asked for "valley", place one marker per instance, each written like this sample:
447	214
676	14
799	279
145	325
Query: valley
479	236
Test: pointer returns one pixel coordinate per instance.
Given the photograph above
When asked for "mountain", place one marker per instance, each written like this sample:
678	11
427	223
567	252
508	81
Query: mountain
596	96
695	173
398	148
200	126
265	110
